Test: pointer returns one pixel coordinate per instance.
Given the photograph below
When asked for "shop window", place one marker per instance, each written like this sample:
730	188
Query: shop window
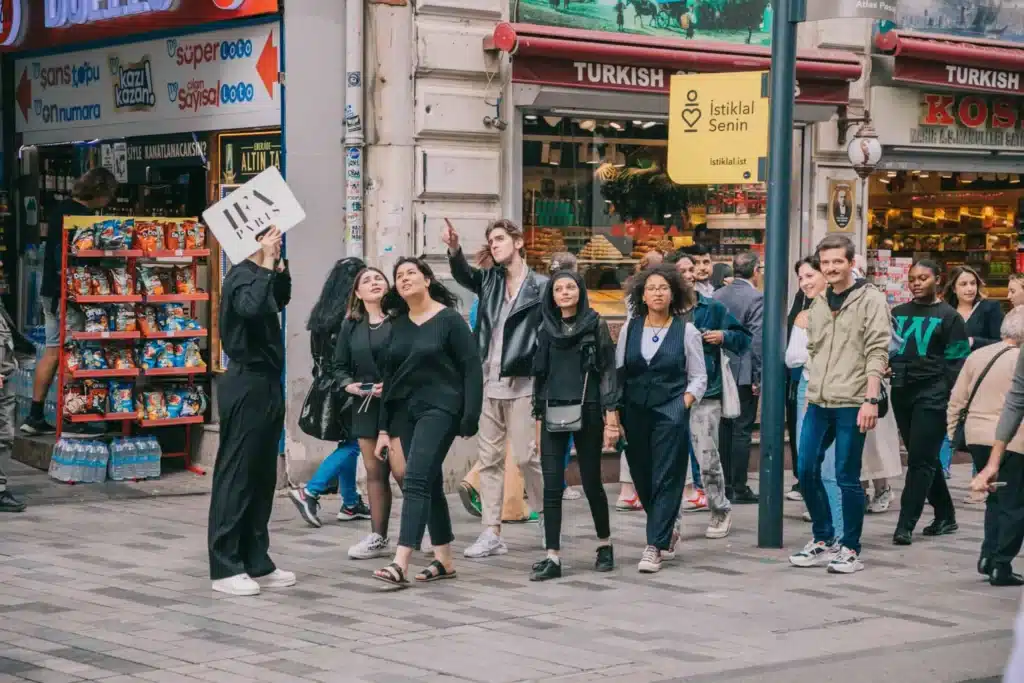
597	188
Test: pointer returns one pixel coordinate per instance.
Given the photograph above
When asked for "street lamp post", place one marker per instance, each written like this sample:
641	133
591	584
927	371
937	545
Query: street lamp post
864	152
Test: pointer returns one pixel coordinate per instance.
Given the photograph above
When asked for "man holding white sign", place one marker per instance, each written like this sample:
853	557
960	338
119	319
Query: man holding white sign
251	411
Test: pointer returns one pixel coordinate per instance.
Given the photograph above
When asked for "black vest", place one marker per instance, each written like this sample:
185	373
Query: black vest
664	378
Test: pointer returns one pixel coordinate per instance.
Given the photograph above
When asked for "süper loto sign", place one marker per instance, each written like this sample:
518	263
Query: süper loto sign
31	24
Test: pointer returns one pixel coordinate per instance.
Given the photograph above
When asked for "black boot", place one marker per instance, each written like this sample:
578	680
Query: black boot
940	527
546	569
605	559
902	537
1003	575
985	565
8	503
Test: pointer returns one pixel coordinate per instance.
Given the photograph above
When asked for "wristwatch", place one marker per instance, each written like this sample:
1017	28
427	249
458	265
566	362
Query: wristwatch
873	401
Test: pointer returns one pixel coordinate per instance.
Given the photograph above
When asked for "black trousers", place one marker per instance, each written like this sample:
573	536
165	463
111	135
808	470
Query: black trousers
251	410
791	422
426	434
734	437
589	444
1004	509
922	425
656	451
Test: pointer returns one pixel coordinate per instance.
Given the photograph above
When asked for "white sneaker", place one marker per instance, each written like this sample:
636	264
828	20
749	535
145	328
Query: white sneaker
489	543
845	562
371	547
278	578
720	526
239	585
571	493
677	535
814	553
881	502
795	496
650	561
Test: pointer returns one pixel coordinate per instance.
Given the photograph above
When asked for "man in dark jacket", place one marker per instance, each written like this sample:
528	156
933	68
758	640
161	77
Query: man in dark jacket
508	318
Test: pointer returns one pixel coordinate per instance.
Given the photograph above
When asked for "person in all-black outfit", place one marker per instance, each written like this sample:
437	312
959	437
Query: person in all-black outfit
574	364
251	411
432	392
924	370
965	292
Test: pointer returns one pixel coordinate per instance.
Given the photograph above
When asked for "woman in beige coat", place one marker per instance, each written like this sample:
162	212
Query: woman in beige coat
1004	510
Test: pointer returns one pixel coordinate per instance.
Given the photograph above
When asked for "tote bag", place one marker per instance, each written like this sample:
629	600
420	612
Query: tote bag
730	392
326	407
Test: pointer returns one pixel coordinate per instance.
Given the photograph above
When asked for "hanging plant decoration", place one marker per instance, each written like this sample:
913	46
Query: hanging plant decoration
647	192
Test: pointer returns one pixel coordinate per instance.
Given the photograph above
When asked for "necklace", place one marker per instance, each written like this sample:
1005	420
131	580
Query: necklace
657	335
378	325
568	328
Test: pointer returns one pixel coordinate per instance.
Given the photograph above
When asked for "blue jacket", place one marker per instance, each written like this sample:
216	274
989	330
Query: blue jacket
711	315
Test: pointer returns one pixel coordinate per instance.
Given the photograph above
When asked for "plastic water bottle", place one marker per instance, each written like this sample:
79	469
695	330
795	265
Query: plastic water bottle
90	462
74	461
116	467
101	464
157	455
56	461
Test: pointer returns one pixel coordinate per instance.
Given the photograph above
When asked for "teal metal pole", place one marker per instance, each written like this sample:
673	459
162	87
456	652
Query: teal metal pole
773	371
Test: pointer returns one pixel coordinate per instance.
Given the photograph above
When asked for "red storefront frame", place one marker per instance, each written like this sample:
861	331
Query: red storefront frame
628	63
961	64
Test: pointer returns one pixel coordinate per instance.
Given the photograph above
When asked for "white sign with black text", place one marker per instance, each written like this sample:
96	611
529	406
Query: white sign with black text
264	201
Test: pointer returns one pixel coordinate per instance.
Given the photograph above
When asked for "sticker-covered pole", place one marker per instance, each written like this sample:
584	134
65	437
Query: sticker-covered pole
773	373
355	140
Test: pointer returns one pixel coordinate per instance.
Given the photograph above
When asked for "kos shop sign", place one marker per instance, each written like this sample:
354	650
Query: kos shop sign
215	80
30	24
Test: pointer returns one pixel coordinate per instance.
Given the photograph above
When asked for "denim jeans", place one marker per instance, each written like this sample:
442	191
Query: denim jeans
828	465
340	465
694	466
818	424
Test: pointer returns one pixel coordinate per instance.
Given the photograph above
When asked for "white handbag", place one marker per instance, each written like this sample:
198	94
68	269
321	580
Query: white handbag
730	392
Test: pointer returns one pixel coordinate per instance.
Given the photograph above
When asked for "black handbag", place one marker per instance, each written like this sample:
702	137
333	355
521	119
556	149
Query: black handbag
959	440
325	410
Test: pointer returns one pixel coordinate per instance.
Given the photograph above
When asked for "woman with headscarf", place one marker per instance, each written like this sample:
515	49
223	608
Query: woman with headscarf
574	366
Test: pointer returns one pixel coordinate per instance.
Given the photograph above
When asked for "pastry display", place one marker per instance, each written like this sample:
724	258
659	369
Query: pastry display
600	249
542	243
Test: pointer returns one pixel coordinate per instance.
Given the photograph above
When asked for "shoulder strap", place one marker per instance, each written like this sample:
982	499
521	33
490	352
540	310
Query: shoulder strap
981	377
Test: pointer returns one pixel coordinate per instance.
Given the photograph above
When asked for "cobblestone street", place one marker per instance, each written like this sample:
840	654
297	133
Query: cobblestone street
115	589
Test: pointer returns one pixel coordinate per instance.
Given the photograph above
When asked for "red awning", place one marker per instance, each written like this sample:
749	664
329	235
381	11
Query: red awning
531	40
985	54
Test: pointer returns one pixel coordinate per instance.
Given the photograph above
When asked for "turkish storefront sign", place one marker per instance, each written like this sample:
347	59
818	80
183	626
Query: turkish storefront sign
217	80
243	156
643	79
187	150
851	9
733	21
991	19
35	24
957	76
718	128
910	118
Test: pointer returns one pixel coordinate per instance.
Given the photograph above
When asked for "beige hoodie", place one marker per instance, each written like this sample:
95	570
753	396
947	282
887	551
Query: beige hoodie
847	347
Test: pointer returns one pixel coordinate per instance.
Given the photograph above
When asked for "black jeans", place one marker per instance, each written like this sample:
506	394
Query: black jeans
791	422
426	434
589	444
656	440
734	438
251	411
1004	509
922	425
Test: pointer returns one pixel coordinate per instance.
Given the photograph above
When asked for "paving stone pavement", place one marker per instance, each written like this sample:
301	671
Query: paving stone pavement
116	591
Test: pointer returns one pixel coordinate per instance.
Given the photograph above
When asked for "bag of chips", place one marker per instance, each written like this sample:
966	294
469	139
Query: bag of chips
147	320
121	281
114	235
121	395
79	281
170	356
121	359
195	235
175	235
149	281
193	358
93	358
171	317
97	395
72	357
155	405
96	319
175	400
83	239
151	353
124	318
184	281
149	236
99	284
74	400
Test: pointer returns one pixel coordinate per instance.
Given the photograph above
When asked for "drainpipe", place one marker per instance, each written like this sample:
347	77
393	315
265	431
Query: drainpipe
354	138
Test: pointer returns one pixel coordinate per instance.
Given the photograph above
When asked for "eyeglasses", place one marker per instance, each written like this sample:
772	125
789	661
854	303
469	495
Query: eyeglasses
657	289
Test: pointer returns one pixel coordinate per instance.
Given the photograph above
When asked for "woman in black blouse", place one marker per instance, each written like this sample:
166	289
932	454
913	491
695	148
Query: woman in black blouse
966	293
432	392
358	356
574	366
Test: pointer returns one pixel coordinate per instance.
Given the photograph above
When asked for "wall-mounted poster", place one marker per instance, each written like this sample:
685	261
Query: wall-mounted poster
992	19
842	203
734	21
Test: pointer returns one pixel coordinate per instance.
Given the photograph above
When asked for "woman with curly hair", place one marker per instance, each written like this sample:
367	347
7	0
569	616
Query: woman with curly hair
660	356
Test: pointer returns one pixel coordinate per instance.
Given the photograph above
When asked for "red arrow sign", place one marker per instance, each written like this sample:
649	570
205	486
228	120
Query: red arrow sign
24	94
266	65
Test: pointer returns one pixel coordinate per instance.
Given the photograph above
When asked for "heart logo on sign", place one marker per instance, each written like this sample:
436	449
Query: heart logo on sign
691	115
172	47
172	91
37	107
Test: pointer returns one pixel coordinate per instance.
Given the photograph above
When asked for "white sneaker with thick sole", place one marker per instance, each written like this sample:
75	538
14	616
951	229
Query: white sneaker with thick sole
814	553
720	526
371	547
278	578
795	496
239	585
845	561
489	543
650	561
881	502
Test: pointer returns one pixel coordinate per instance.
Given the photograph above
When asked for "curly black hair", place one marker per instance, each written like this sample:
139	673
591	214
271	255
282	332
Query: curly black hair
683	295
394	304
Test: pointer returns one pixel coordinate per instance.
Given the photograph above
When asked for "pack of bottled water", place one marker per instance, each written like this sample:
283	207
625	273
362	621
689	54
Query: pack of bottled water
79	461
134	458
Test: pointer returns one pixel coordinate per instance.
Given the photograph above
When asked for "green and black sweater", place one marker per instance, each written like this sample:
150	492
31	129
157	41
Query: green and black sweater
934	347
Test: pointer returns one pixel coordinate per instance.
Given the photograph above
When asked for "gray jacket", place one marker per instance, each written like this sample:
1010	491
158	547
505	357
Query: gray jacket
746	303
1013	409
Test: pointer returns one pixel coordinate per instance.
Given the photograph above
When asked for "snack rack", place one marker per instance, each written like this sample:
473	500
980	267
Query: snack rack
132	258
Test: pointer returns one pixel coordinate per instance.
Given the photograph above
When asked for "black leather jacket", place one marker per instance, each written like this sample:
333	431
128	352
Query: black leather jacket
520	334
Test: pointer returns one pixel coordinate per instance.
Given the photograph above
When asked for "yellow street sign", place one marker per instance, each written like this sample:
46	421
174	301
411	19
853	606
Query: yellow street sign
718	128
